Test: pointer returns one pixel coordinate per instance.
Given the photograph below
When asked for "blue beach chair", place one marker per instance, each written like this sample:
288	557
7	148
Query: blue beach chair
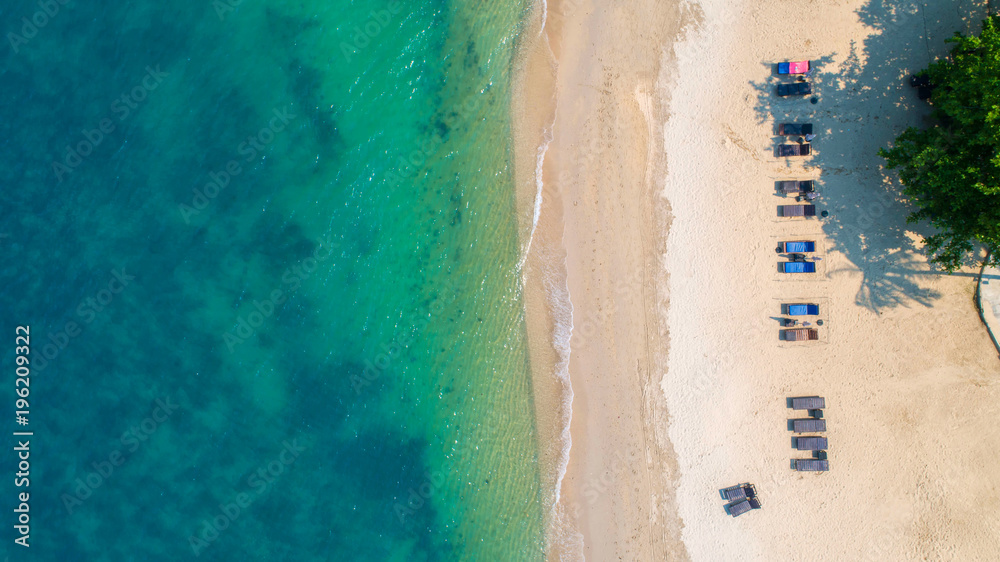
801	246
802	309
798	267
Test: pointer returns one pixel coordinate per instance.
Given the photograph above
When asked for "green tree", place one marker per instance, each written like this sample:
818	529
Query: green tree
951	170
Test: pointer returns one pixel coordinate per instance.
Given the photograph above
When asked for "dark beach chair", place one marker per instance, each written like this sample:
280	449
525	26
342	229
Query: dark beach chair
794	67
797	246
812	465
739	508
800	309
799	129
811	443
922	83
796	149
808	403
800	334
796	186
795	89
739	492
797	267
796	210
808	426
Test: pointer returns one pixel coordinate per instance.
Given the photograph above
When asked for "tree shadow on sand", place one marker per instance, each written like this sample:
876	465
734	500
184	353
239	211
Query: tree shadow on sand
861	105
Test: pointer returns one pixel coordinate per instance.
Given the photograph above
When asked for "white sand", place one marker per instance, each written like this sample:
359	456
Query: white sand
908	372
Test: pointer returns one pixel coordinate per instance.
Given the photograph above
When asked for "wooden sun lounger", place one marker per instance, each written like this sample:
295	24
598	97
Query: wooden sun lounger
794	89
800	334
795	129
796	186
739	492
808	426
811	443
739	508
794	149
797	210
812	465
808	403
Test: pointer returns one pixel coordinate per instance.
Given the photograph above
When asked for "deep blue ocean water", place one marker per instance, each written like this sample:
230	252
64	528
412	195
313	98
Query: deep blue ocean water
267	251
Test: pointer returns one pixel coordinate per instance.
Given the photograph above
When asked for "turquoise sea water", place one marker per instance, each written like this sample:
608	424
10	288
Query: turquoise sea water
268	255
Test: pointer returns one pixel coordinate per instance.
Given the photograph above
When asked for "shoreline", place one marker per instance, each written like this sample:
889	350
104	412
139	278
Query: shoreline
594	285
657	160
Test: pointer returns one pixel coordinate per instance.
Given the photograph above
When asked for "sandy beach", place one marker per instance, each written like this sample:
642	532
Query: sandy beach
908	372
656	240
595	266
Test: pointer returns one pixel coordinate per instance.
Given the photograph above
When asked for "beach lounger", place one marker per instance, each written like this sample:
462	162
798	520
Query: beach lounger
739	492
796	210
800	309
808	426
798	246
795	89
808	403
795	129
800	334
923	85
796	186
793	67
739	508
798	267
812	465
796	149
810	443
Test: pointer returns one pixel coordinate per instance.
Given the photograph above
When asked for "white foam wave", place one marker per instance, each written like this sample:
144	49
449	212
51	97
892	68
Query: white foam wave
570	541
537	210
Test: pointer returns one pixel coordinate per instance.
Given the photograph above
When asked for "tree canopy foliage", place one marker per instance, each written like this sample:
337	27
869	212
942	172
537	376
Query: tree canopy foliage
951	170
